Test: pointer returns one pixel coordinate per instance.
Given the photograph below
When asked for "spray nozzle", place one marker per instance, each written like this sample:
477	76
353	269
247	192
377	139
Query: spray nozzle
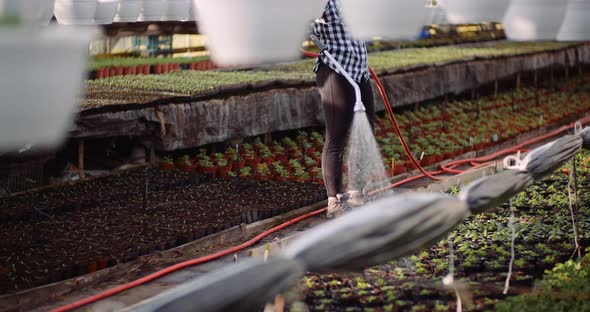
359	107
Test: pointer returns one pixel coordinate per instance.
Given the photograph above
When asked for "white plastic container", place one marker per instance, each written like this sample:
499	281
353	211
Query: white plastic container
576	24
192	16
475	11
435	15
389	19
75	12
529	20
40	83
128	11
106	11
243	32
176	10
35	11
152	10
46	12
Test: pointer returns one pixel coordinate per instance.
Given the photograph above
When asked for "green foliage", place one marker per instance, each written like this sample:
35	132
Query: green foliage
134	61
564	288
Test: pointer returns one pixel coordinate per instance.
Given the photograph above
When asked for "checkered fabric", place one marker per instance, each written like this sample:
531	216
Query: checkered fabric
352	54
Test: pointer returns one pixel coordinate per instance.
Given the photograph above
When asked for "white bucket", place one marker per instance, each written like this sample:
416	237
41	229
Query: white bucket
152	10
75	12
46	15
389	19
475	11
106	11
40	83
529	20
243	32
192	13
176	10
128	11
576	24
37	12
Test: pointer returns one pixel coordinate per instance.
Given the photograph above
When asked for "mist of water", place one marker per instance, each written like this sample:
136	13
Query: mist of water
365	166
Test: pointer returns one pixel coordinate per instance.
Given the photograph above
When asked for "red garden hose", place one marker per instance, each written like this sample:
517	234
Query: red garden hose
182	265
446	168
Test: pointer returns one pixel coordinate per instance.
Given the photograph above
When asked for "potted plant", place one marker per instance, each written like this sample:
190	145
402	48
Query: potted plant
318	175
223	167
280	172
279	152
167	163
206	166
246	172
263	172
185	164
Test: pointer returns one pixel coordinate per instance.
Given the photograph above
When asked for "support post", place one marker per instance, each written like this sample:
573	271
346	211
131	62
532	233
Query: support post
81	159
268	138
536	82
495	89
152	154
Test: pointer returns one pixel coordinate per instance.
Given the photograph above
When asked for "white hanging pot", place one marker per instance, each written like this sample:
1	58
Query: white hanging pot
192	16
40	83
106	11
38	12
243	32
128	11
152	10
176	10
390	19
46	12
528	20
78	12
475	11
576	24
434	15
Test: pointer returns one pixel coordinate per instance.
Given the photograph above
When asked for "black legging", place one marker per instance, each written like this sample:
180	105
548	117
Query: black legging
338	100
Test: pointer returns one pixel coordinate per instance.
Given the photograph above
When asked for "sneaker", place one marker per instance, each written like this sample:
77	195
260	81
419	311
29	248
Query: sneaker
337	206
356	198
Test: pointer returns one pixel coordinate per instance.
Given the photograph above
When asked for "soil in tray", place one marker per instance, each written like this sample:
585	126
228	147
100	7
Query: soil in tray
55	234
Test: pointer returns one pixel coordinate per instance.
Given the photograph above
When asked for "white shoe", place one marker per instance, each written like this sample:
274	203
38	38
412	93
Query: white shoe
337	206
356	198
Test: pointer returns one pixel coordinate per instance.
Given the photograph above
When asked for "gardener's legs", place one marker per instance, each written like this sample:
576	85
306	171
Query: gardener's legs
338	102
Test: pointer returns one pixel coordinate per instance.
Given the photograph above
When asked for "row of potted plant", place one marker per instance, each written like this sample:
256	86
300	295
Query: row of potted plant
432	137
100	69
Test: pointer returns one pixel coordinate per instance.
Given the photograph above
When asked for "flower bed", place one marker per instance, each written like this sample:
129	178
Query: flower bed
544	237
109	67
302	69
58	233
